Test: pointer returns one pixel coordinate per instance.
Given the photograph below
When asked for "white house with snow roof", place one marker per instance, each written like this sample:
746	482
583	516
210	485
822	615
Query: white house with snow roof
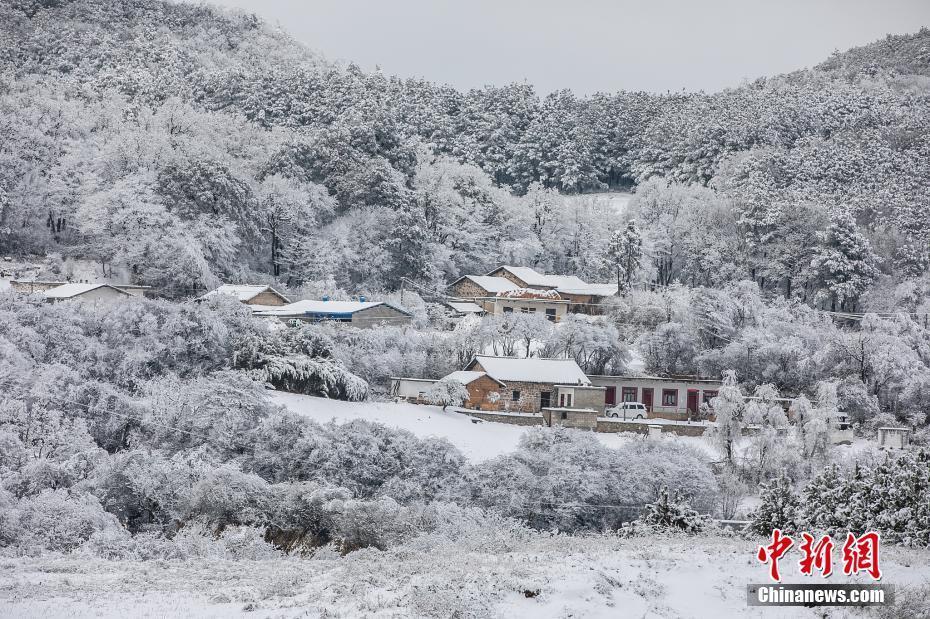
361	313
256	295
95	293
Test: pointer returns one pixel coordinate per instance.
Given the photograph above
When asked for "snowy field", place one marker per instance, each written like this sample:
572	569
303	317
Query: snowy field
489	575
477	441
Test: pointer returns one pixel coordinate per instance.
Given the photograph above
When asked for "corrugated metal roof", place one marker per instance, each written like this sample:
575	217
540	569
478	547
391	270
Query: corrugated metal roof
311	307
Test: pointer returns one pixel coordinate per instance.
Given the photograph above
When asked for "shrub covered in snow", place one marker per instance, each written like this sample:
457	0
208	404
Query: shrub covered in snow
447	392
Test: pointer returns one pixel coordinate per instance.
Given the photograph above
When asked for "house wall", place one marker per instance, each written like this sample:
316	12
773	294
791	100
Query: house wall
26	287
496	306
267	298
582	397
659	410
410	388
135	291
579	419
479	394
374	316
468	289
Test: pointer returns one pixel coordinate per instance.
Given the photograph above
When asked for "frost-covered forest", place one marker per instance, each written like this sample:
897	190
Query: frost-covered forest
776	234
179	144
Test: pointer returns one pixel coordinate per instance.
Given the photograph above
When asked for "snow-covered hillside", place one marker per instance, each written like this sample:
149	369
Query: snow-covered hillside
478	440
486	574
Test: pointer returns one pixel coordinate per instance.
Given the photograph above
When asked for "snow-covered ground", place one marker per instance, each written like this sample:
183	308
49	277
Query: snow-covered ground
487	575
477	441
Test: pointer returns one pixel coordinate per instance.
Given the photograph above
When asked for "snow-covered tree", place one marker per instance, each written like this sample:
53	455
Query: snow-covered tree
447	392
624	251
729	409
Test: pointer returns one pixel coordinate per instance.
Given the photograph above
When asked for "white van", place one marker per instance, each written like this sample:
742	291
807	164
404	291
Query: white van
629	410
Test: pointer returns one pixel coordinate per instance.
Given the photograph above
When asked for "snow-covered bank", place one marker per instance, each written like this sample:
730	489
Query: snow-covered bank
477	441
490	575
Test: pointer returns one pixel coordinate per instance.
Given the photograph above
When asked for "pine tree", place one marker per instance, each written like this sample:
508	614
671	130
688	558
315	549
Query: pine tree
826	502
672	514
845	262
624	252
778	507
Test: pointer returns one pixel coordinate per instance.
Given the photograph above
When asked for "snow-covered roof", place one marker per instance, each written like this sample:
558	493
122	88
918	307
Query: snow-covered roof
311	307
243	292
68	291
464	307
532	277
532	370
597	290
466	376
491	284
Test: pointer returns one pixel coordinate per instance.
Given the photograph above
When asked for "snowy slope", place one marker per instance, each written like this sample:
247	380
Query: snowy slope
591	576
477	441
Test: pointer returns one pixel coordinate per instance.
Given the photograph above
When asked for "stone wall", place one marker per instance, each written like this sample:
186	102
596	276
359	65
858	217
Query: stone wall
530	396
516	419
579	419
267	298
642	427
468	289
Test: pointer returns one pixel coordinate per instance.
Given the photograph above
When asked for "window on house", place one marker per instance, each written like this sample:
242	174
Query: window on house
629	394
669	397
516	395
531	310
508	310
545	398
709	395
550	315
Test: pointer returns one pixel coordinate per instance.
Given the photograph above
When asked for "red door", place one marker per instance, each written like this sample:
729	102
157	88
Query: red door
610	396
647	398
692	401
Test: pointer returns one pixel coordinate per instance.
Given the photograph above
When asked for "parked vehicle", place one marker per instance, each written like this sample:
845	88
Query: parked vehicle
629	410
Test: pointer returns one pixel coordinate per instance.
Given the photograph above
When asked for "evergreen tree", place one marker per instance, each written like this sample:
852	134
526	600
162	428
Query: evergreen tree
845	262
670	513
778	507
624	252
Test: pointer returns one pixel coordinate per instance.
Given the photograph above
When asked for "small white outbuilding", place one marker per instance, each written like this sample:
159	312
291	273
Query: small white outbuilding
893	438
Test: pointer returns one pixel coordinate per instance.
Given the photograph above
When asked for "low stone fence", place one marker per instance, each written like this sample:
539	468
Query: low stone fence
517	419
642	427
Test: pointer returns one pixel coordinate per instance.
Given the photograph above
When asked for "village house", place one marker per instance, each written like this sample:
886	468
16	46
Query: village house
40	287
359	313
552	295
516	385
530	385
497	295
668	398
582	297
94	293
255	295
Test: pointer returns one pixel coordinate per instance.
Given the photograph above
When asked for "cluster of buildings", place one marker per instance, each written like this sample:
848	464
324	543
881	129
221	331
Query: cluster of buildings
525	290
534	385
